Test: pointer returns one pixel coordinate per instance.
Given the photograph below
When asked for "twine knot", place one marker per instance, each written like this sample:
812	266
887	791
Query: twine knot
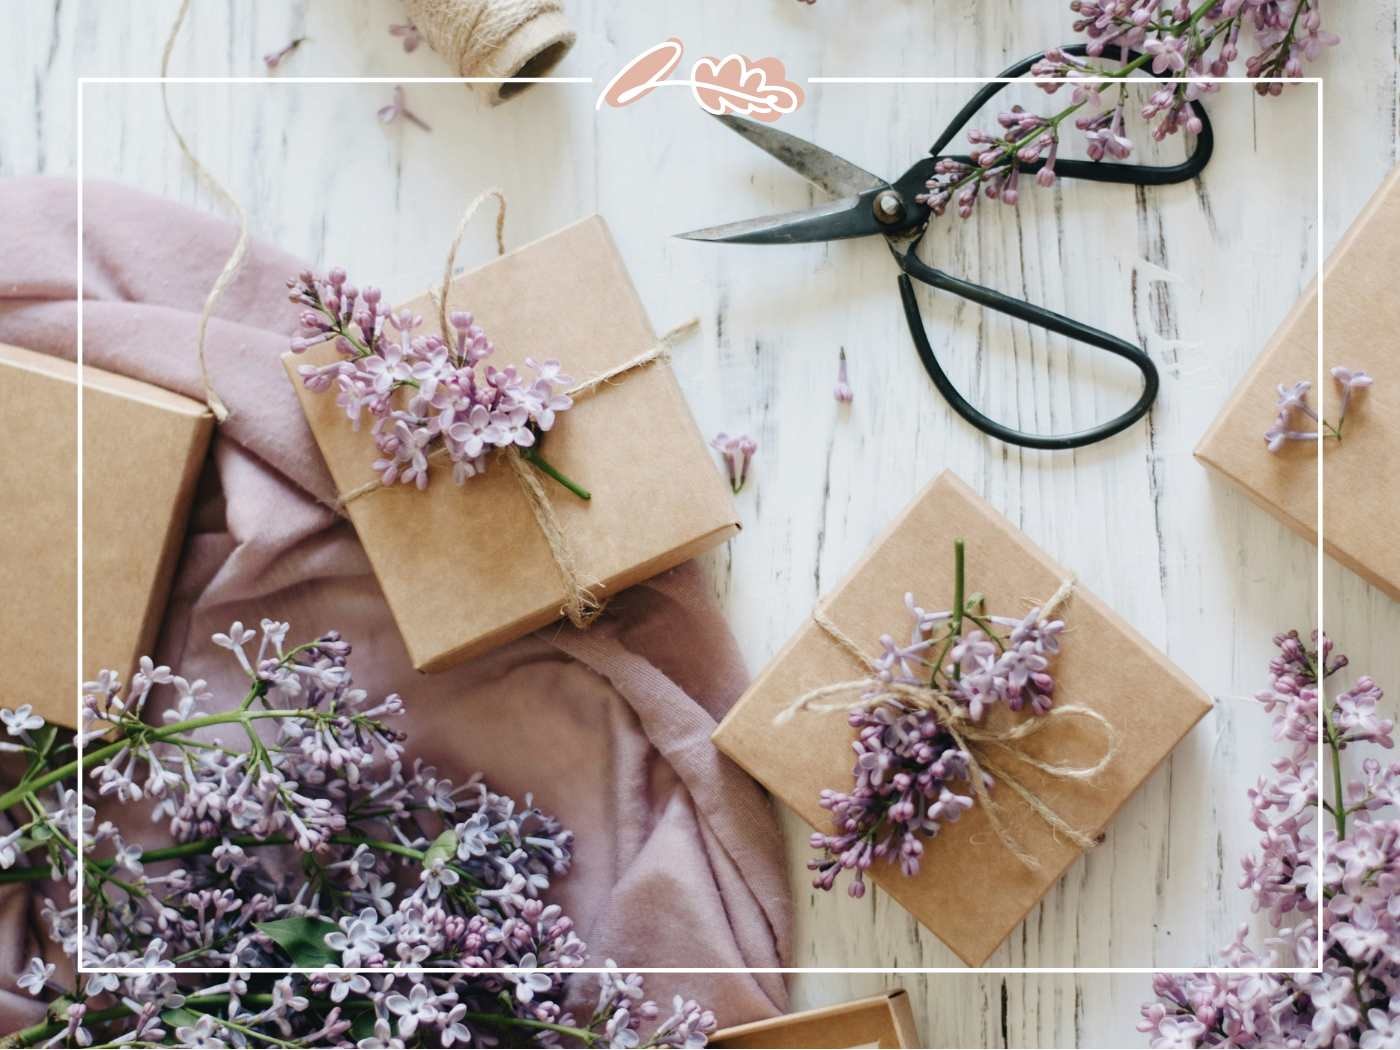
983	746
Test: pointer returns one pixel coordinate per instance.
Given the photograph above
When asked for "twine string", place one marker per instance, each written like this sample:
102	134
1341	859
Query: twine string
240	247
972	739
469	32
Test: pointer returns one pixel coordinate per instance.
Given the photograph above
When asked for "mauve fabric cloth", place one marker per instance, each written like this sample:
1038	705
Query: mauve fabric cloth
679	859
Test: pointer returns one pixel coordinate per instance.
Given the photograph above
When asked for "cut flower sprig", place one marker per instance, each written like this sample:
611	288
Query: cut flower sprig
425	393
1293	402
1177	42
1351	1000
310	844
908	760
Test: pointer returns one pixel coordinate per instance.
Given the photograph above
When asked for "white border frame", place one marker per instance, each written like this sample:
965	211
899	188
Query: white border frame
1317	82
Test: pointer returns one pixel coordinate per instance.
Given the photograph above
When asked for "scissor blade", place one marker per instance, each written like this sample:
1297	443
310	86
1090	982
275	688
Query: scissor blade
838	176
849	217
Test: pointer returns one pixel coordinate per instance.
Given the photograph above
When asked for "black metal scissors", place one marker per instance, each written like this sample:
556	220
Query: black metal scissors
868	205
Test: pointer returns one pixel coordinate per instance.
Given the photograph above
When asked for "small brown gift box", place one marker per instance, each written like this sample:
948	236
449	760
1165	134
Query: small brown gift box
466	569
142	452
1361	314
970	891
881	1021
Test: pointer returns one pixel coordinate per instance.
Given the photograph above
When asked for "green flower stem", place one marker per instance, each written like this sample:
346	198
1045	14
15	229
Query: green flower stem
90	758
582	1035
532	456
1339	811
214	1004
959	584
959	595
199	847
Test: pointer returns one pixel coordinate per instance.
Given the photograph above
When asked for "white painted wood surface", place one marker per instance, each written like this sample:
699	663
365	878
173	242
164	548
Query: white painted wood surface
1199	274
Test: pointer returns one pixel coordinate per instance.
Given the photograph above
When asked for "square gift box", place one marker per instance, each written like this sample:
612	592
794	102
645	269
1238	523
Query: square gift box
143	448
970	891
882	1021
466	569
1361	313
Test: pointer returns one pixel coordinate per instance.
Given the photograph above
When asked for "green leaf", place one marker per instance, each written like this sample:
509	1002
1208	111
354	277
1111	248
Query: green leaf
303	938
444	848
178	1017
361	1023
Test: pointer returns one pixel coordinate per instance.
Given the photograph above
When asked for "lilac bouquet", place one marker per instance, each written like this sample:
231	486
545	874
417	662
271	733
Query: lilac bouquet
1293	402
425	391
313	846
1176	40
1355	999
907	761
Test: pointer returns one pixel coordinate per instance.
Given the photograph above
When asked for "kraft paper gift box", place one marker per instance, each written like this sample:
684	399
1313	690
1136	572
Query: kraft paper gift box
1361	315
466	569
143	448
970	892
881	1021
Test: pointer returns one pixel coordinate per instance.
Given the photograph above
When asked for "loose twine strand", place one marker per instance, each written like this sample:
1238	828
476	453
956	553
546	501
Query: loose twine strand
240	247
972	739
469	32
581	605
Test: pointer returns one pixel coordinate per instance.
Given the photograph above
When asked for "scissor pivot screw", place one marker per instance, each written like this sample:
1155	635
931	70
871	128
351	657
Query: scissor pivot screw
889	207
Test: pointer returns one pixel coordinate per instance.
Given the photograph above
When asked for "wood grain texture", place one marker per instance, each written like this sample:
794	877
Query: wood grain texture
1199	274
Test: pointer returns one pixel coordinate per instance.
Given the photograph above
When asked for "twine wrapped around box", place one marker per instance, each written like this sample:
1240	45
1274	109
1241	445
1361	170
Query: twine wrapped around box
581	606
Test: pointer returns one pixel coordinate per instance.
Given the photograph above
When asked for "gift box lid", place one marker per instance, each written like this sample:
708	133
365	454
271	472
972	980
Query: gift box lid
1105	665
1360	311
142	452
467	568
881	1021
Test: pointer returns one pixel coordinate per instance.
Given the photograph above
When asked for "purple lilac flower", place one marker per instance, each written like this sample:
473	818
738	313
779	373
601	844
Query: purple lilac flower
399	108
843	391
397	866
420	392
408	33
737	452
1293	402
1354	1000
908	766
1177	42
273	59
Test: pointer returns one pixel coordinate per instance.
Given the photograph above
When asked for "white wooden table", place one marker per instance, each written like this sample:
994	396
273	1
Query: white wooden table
1198	274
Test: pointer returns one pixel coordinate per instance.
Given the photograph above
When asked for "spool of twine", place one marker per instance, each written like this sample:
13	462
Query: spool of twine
496	38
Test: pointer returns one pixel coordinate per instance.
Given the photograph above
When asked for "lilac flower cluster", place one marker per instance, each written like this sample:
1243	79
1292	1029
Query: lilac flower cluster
420	391
906	760
316	846
1354	1001
1176	40
1293	401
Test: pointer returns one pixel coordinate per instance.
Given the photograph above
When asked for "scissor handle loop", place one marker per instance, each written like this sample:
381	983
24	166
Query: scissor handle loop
916	268
1089	170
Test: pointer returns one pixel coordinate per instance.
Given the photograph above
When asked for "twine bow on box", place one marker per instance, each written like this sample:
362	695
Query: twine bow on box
986	749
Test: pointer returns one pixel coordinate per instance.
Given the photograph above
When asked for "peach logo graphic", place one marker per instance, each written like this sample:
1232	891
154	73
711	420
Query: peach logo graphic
756	88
